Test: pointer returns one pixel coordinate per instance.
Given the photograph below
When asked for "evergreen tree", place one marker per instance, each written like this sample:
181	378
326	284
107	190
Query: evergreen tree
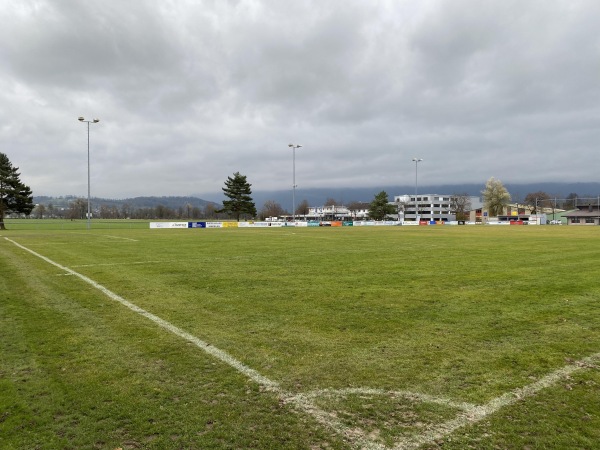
380	207
237	189
495	197
15	197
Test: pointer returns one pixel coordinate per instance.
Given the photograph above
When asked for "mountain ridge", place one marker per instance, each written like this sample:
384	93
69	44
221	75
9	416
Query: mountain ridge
343	195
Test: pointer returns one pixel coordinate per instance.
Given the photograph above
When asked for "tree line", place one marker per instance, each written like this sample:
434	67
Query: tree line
77	209
16	198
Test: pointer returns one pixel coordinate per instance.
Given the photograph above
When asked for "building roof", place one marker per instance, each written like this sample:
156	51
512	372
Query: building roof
584	211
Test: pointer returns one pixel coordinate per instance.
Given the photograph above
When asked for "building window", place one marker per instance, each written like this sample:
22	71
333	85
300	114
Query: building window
574	220
589	220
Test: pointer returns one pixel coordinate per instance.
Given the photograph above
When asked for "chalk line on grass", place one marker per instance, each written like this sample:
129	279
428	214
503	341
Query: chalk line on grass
119	237
219	354
416	396
305	402
132	263
478	413
355	437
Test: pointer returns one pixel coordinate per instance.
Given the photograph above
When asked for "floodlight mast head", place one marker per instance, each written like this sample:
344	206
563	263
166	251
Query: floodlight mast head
82	119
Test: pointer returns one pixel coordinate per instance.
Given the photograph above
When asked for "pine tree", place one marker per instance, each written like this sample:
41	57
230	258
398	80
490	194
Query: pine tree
15	197
237	189
380	207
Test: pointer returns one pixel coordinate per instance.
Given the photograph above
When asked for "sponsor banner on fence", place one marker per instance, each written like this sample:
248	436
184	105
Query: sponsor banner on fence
314	223
168	224
259	224
364	223
214	224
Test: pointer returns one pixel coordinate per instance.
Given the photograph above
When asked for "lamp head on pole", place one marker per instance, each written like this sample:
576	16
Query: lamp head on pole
82	119
417	159
294	145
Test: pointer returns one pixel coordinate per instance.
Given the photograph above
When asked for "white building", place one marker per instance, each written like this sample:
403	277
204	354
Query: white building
330	212
431	207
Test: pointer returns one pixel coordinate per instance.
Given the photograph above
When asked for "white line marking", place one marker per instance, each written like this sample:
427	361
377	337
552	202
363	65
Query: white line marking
478	413
219	354
423	398
471	413
355	437
119	237
125	263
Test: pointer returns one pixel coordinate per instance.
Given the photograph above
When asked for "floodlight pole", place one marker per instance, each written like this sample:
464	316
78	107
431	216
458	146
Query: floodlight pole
294	147
416	161
89	209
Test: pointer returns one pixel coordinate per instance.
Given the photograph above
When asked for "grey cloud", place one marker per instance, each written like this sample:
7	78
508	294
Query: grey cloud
190	92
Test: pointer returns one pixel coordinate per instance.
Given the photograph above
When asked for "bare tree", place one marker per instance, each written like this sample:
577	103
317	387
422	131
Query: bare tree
302	208
571	201
126	210
196	212
271	209
39	211
460	205
210	211
77	209
535	200
330	202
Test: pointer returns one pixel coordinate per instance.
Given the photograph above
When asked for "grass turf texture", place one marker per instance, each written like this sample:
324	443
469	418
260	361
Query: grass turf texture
459	313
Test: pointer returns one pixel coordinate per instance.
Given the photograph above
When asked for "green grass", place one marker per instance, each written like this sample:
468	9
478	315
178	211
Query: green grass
459	313
71	225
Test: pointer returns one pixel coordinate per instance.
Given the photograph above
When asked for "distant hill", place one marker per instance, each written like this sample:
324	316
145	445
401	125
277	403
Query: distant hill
135	202
318	196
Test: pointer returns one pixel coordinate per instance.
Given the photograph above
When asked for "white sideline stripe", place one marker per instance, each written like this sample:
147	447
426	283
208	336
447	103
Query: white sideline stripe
328	420
478	413
217	353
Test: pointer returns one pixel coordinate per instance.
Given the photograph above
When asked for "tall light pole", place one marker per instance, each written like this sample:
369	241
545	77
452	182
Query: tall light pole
294	147
89	210
417	161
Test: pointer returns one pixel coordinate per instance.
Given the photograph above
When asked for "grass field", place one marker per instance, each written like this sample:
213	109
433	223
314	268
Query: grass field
381	337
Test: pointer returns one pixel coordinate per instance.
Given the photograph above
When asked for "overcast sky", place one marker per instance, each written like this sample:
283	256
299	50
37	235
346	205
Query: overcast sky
189	92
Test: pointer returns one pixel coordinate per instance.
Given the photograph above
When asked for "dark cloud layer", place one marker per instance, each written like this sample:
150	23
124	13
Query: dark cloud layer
190	92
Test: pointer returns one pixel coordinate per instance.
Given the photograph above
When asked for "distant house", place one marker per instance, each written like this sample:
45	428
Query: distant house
328	212
584	215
